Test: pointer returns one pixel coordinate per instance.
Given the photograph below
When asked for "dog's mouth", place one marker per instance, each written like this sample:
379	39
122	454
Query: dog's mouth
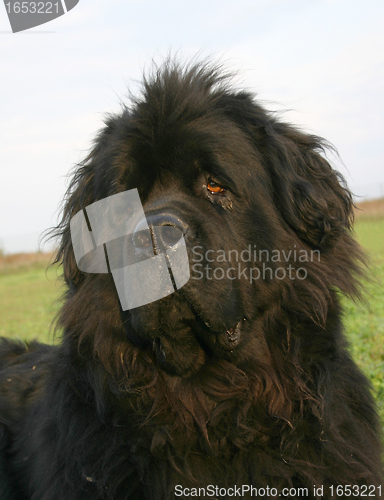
226	340
184	338
231	338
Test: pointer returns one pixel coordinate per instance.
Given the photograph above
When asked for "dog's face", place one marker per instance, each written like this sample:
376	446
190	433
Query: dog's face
246	192
200	177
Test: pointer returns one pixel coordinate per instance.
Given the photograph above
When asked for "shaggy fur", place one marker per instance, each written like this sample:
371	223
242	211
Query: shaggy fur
107	414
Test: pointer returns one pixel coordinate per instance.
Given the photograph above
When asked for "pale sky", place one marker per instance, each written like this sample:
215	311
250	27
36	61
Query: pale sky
319	61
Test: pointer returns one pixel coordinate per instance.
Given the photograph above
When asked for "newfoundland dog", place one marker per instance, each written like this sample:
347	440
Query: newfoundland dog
205	245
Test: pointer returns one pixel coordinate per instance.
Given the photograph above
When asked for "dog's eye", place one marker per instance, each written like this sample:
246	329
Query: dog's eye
214	188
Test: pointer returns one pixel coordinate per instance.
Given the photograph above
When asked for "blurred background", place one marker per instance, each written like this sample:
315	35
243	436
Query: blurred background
320	63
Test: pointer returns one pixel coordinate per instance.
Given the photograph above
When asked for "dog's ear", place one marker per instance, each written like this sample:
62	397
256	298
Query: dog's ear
311	196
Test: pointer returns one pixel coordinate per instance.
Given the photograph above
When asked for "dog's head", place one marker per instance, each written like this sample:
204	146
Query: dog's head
265	219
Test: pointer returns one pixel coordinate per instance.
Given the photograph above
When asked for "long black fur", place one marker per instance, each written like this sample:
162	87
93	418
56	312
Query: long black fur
103	416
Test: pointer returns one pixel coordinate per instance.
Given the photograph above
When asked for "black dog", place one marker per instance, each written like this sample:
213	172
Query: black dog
241	378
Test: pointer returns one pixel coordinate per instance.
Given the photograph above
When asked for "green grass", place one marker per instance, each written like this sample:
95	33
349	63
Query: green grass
364	321
370	234
29	301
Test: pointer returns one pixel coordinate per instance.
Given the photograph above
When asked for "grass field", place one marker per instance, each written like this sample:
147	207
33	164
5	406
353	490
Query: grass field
29	300
29	297
364	321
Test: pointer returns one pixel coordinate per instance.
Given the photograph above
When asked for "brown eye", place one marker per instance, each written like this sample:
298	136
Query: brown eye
214	188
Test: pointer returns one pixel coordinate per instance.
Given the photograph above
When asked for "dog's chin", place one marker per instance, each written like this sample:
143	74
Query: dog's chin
184	350
182	337
182	358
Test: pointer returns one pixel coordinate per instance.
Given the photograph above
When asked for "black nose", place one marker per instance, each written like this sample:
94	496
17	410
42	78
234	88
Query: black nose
165	230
